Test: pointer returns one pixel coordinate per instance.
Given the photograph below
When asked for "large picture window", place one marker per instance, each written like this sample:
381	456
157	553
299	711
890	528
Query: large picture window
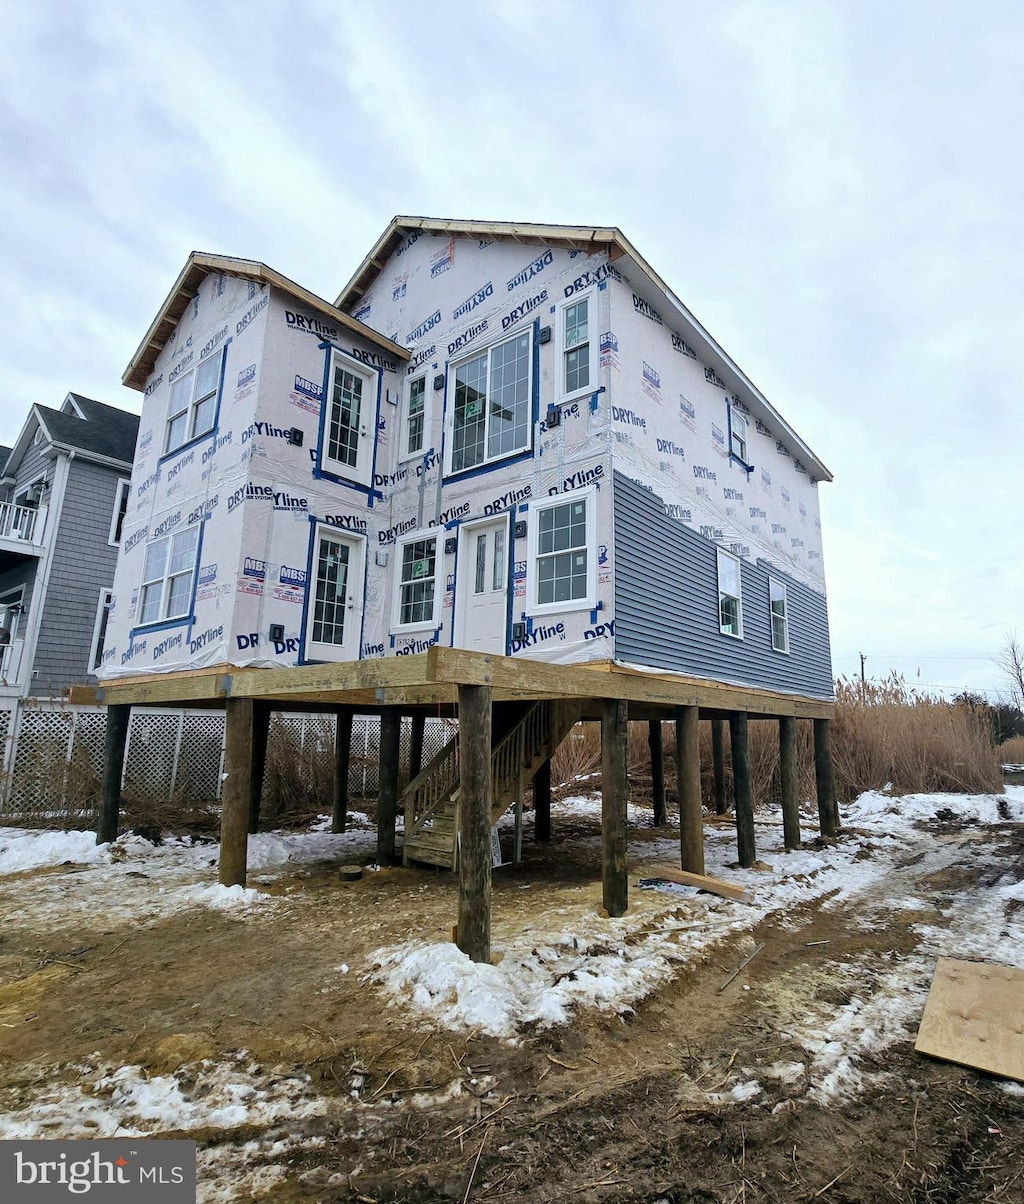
418	596
563	553
167	577
730	599
193	406
491	405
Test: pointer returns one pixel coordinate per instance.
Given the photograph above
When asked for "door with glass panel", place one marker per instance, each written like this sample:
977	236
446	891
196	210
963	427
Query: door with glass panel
351	420
481	595
335	618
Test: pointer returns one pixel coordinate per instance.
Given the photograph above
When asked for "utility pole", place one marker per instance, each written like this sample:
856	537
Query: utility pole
863	683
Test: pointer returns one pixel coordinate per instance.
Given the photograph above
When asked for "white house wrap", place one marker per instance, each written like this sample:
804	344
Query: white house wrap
512	439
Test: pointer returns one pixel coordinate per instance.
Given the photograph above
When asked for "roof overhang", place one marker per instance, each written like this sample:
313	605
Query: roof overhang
57	448
592	240
21	446
198	266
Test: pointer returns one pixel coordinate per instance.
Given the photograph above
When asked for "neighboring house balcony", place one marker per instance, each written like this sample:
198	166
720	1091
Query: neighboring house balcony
22	529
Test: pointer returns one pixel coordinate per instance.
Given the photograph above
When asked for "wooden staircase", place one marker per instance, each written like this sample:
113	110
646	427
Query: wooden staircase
431	799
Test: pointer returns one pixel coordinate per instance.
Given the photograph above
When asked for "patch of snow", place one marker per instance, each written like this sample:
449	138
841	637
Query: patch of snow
739	1094
785	1072
128	1102
222	898
873	805
22	849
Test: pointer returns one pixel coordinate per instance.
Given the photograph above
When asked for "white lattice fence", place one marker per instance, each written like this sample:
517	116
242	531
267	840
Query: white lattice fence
55	758
6	736
200	756
52	775
151	754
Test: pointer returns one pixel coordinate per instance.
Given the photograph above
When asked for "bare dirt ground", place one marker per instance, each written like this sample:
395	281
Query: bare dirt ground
616	1107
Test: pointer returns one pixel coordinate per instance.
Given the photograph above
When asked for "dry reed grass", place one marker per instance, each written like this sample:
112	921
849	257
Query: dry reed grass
884	734
1011	752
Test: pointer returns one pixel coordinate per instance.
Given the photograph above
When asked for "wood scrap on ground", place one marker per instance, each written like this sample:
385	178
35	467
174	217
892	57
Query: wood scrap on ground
972	1016
728	890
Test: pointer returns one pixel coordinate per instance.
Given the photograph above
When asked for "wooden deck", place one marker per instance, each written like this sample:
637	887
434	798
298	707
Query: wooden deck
445	681
432	679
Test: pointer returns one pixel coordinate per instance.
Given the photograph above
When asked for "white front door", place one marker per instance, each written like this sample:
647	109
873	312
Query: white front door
481	595
335	620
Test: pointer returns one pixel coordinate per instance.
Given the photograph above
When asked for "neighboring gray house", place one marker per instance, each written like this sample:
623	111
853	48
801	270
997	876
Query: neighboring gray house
63	496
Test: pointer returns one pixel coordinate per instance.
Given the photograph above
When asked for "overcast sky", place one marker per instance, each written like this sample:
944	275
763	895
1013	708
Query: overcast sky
834	189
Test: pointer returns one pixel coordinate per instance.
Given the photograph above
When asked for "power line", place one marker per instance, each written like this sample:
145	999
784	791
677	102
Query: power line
920	656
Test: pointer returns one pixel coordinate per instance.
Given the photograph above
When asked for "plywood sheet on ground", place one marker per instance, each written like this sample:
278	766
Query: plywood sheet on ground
974	1015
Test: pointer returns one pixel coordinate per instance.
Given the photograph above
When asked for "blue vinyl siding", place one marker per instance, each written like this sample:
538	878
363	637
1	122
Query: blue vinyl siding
666	606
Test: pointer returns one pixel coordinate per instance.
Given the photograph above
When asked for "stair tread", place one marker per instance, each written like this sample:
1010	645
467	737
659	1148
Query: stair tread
439	847
436	843
428	857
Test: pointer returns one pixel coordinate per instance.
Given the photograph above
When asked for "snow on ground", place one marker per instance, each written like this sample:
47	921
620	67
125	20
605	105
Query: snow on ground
565	961
126	1102
556	968
134	880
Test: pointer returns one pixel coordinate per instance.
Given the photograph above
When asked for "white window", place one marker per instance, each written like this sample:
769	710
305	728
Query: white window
193	407
351	419
167	577
491	409
730	603
418	597
337	615
577	347
99	628
120	510
414	426
779	605
562	552
738	428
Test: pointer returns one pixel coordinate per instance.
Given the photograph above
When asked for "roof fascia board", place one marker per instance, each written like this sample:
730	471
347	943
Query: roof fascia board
76	409
82	453
34	419
725	361
197	267
619	247
532	232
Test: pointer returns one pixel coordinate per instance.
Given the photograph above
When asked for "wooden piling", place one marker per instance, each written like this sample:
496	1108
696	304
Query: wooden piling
718	765
473	933
614	796
387	783
655	745
342	756
691	812
828	807
742	787
118	718
260	734
788	775
542	802
237	790
419	723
